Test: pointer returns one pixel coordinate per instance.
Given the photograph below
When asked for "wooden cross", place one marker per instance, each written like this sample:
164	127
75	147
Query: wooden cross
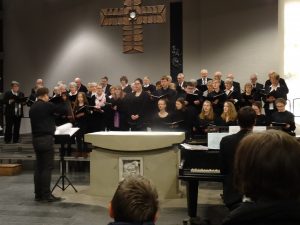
132	17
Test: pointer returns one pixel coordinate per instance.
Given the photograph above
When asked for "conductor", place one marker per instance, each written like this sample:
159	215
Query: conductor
42	117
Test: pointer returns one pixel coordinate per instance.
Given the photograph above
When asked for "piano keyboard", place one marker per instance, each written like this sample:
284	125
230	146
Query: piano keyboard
205	171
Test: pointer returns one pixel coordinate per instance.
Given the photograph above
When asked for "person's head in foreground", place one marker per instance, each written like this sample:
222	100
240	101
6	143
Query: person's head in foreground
134	202
267	167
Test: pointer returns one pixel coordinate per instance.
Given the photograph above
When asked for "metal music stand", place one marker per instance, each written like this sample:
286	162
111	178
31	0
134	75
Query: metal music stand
63	139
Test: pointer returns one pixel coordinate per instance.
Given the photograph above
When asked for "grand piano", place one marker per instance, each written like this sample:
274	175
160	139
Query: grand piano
195	166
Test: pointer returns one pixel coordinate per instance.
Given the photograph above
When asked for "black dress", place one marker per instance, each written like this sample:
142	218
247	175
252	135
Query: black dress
137	105
261	120
81	120
285	117
119	120
161	123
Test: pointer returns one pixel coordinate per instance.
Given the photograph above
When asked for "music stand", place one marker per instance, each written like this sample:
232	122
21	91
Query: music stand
63	139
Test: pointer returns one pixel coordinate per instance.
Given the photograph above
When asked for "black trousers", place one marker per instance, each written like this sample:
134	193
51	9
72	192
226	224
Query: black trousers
12	128
43	147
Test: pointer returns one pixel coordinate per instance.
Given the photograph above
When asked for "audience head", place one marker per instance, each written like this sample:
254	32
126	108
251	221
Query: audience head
257	106
135	201
246	117
267	166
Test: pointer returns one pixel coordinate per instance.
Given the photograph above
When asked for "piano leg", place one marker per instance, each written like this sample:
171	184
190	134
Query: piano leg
192	197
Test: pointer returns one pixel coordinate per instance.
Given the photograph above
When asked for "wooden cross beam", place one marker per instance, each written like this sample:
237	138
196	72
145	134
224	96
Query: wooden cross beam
132	17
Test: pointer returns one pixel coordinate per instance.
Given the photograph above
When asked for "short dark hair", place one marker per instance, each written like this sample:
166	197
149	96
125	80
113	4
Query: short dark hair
246	117
267	166
42	91
124	78
280	100
139	80
105	78
135	200
190	84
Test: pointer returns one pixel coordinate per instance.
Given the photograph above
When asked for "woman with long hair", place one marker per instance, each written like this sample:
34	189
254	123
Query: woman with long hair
81	112
119	110
207	117
229	115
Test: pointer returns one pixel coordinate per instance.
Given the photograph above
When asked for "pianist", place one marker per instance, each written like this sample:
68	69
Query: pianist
268	173
228	145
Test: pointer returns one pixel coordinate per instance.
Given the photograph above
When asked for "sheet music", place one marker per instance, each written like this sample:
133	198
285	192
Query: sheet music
214	139
259	128
194	147
66	129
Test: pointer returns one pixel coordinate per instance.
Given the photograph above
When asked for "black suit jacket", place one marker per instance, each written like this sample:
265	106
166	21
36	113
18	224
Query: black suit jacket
281	82
11	101
107	93
83	89
200	86
237	86
228	147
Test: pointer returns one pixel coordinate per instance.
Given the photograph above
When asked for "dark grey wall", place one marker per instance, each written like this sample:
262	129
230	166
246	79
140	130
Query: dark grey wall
62	39
232	36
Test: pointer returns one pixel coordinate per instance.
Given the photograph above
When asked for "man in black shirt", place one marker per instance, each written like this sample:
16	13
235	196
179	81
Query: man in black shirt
42	117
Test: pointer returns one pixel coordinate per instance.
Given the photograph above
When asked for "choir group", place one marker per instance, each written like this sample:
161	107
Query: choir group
189	106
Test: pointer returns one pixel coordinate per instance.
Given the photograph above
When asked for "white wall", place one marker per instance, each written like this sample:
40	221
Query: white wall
234	36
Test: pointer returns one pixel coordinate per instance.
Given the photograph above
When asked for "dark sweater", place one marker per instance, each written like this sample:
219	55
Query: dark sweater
42	117
265	213
124	223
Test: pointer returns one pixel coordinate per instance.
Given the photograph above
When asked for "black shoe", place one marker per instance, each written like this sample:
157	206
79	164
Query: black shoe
38	199
52	198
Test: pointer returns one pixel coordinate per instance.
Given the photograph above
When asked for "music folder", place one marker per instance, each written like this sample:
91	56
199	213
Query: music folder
66	129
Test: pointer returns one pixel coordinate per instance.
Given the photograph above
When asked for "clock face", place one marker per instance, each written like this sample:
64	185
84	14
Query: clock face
132	15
